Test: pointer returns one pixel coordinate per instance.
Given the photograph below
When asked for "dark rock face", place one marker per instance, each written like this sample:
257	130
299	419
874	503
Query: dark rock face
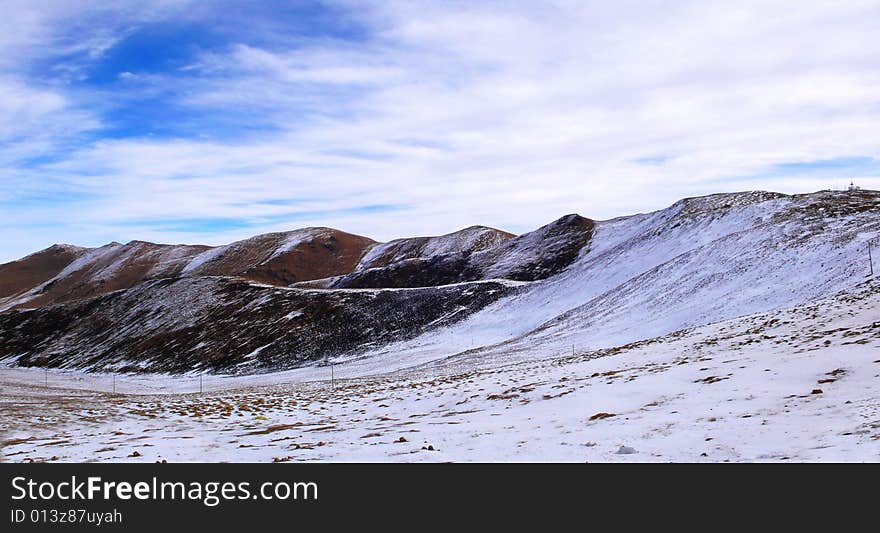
528	257
817	207
540	254
415	272
228	325
466	242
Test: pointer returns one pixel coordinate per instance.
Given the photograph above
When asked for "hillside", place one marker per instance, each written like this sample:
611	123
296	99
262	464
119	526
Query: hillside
464	256
23	275
697	262
275	258
797	384
282	300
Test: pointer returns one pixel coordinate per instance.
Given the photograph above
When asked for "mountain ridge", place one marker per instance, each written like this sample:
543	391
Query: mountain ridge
572	282
278	258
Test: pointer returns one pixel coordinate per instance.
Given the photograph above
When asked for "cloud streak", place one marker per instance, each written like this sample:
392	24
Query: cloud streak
453	113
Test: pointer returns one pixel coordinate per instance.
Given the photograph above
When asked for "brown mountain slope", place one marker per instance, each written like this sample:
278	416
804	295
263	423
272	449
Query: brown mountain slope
22	275
319	257
284	258
64	274
110	268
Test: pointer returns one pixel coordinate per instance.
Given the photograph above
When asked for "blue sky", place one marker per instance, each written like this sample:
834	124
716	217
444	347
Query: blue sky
205	122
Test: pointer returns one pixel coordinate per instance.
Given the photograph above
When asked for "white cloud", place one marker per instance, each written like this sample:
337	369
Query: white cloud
508	114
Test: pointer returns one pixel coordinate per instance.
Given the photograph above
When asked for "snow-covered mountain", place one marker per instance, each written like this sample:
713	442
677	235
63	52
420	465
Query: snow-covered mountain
281	300
697	262
471	254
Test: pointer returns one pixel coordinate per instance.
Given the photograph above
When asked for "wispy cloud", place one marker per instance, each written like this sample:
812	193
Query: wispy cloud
457	113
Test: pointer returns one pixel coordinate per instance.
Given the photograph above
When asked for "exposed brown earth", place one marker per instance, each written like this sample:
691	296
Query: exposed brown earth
317	253
22	275
114	267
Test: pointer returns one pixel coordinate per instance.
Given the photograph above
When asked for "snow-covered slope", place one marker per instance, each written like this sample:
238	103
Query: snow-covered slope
790	385
467	241
699	261
788	253
483	254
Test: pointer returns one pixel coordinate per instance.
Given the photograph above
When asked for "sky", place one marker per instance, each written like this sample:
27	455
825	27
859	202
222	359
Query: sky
206	122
